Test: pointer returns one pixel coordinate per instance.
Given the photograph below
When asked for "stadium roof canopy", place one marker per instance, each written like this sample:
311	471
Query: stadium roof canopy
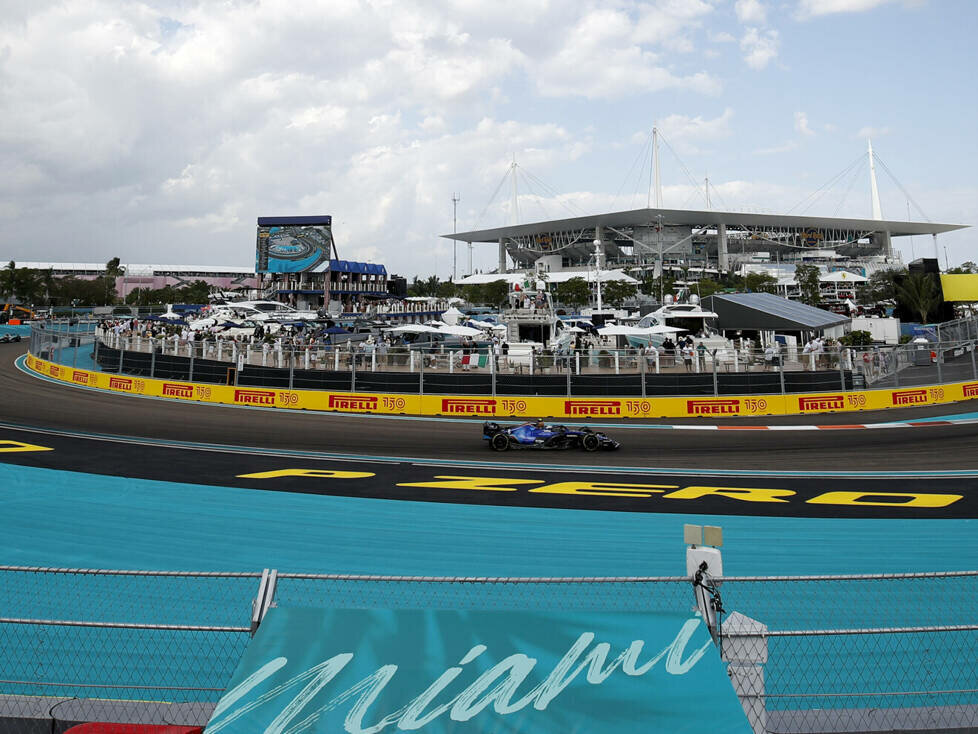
704	218
767	312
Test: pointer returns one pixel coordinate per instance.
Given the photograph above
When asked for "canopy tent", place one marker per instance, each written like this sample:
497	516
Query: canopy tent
842	276
767	312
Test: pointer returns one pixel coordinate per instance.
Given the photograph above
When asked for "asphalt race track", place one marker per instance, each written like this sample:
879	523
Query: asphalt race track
739	472
28	401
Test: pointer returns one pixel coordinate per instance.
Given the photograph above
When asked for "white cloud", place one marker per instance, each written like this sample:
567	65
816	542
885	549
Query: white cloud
602	56
775	149
689	133
872	132
155	130
814	8
801	124
750	11
759	47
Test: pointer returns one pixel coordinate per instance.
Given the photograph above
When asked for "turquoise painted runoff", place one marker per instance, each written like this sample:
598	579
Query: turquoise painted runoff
439	672
71	519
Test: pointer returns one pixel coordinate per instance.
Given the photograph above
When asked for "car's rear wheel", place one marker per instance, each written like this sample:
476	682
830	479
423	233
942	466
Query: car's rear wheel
590	442
499	442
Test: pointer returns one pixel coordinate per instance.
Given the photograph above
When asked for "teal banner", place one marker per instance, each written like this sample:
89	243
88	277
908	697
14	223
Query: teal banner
364	671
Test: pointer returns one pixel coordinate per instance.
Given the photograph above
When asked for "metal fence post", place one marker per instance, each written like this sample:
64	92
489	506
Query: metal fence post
193	355
421	375
152	358
353	371
642	368
940	359
974	367
842	369
716	389
492	371
121	353
781	373
96	350
291	369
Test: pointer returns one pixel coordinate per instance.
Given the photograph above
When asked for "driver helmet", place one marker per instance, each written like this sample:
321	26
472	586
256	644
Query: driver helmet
539	423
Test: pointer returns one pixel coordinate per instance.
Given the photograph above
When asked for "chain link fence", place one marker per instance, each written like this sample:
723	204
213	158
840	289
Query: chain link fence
805	654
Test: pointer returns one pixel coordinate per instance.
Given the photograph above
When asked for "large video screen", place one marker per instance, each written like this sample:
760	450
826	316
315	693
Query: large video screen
294	245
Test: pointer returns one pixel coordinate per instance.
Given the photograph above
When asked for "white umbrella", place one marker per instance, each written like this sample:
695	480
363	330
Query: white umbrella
415	329
456	330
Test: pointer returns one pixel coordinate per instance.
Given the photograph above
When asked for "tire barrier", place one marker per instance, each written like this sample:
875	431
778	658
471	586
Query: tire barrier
505	405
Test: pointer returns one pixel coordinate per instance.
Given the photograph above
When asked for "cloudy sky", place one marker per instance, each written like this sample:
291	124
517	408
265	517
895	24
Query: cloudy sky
160	130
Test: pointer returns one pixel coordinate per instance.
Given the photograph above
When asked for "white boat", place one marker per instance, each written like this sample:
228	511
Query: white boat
264	310
684	312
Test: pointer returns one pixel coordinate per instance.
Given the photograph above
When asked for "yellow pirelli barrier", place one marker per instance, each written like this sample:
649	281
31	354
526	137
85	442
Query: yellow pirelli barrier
575	409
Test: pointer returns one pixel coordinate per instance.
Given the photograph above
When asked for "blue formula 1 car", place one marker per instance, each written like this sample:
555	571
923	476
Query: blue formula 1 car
538	435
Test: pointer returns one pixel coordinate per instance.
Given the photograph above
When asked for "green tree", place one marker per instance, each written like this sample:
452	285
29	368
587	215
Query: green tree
113	270
965	268
426	288
447	289
574	292
881	286
616	292
7	280
707	287
807	278
475	293
858	338
760	283
919	294
495	293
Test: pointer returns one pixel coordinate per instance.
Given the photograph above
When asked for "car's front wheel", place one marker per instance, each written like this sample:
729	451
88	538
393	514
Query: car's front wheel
499	442
590	442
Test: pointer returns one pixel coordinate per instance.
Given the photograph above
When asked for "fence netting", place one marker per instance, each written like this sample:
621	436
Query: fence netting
834	653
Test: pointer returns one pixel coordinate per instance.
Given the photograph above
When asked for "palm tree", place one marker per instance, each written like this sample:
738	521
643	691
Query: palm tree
113	270
919	293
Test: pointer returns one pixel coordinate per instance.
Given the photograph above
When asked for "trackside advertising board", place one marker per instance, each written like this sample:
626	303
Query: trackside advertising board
365	671
573	410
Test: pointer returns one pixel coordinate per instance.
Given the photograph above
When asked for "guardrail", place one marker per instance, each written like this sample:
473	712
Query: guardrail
817	653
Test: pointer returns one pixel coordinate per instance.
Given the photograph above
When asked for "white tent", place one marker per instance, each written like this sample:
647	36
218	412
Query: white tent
452	315
842	276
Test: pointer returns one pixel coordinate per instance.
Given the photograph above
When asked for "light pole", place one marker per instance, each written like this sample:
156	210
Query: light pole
662	265
597	270
455	201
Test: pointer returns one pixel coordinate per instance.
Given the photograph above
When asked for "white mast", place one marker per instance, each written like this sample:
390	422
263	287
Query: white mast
877	210
706	183
656	178
516	199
